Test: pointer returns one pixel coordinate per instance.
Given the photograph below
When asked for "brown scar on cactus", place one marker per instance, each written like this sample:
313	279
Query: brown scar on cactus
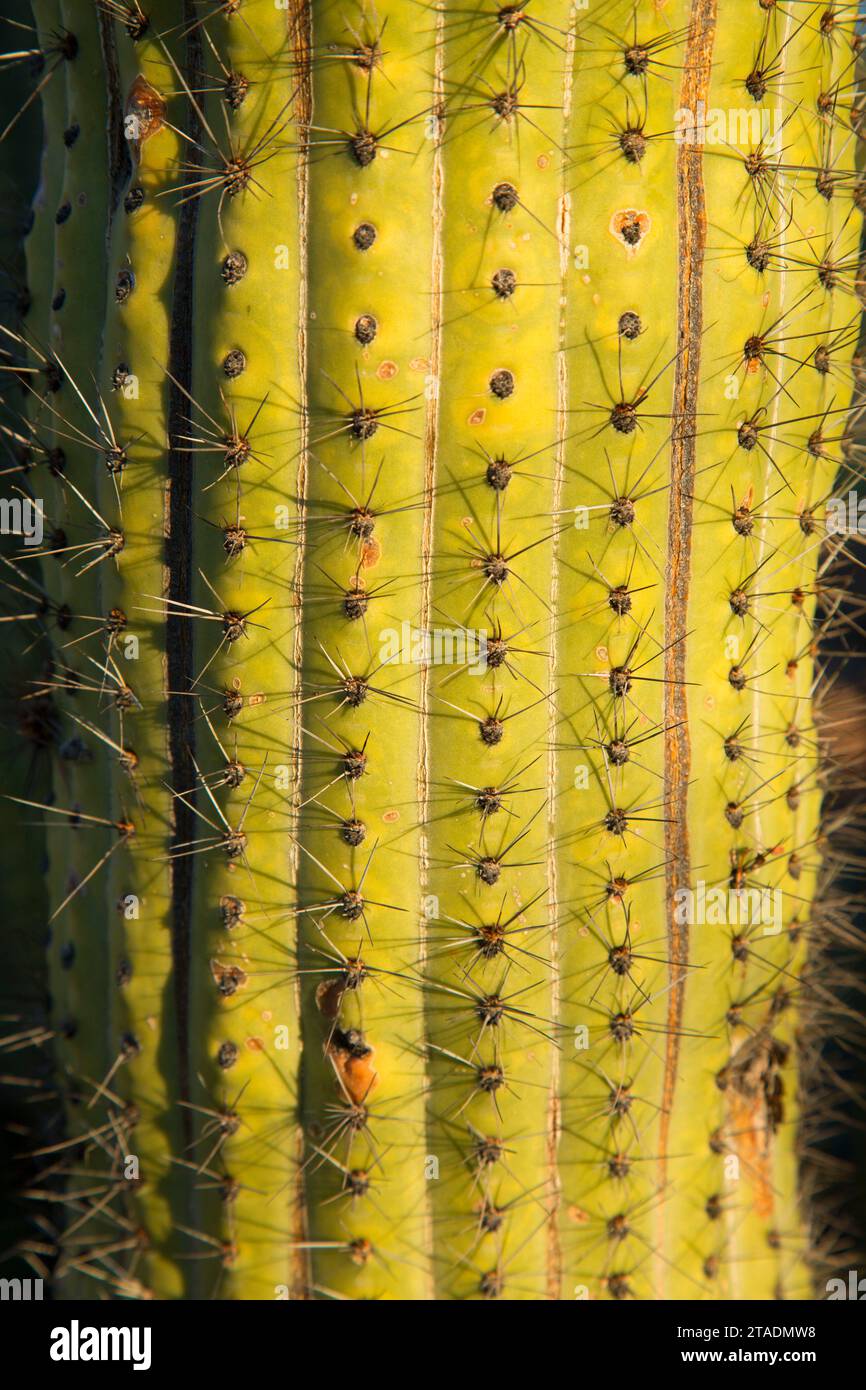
144	114
631	227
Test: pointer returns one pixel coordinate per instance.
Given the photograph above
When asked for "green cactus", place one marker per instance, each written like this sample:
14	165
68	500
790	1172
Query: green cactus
26	1087
439	413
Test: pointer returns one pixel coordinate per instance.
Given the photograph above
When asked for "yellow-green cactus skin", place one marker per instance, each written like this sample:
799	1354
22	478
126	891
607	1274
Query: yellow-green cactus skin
441	414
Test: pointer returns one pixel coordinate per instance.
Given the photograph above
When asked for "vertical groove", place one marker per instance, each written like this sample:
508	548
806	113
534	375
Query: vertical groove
118	151
554	1247
431	441
302	39
178	567
692	241
760	1170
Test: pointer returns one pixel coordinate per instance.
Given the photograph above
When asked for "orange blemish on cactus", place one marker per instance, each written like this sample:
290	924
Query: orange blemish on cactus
371	553
756	1099
228	978
352	1059
631	226
143	114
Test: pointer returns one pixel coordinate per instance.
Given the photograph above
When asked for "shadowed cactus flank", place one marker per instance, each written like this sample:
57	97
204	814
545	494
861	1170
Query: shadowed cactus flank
440	417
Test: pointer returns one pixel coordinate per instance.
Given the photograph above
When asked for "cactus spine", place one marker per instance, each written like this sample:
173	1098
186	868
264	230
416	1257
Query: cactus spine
472	387
26	1081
